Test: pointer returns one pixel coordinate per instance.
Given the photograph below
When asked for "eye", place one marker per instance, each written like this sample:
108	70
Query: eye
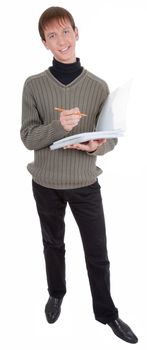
66	31
51	36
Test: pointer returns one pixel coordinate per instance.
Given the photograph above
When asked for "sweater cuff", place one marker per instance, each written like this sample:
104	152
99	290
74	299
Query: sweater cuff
57	131
105	148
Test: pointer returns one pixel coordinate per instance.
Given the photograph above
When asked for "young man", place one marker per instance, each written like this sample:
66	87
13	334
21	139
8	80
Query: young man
68	175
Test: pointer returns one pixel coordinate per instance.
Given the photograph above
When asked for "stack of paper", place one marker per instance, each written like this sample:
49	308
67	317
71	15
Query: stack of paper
86	136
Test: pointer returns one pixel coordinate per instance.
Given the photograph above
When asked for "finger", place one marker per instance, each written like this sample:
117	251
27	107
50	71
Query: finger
101	140
73	118
73	111
78	146
71	122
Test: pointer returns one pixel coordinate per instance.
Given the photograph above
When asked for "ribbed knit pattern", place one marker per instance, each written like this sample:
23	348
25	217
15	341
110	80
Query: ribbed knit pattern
61	169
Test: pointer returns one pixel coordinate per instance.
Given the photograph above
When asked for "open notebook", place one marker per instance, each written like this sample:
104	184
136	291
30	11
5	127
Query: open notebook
111	121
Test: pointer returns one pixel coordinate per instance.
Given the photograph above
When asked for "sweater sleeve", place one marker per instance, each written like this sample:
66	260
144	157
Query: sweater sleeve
34	133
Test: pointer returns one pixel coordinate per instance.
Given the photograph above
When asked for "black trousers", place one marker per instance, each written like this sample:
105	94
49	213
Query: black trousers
86	206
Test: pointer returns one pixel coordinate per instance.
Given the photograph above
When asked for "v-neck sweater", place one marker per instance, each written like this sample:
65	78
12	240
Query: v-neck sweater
61	169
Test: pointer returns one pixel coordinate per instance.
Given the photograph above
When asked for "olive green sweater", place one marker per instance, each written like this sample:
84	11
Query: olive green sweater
61	169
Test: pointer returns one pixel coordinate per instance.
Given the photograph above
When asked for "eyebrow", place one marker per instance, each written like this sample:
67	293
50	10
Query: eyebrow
50	33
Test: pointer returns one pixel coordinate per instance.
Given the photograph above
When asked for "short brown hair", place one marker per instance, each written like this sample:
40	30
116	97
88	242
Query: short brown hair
58	13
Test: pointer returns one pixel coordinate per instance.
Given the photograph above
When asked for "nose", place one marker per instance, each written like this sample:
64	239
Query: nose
61	40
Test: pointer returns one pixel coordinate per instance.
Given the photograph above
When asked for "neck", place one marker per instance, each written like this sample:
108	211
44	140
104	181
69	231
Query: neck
66	62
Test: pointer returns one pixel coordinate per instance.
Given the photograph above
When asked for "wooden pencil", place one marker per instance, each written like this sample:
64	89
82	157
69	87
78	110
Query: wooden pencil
62	109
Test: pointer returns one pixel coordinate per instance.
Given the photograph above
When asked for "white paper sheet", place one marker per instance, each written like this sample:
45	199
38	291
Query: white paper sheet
113	113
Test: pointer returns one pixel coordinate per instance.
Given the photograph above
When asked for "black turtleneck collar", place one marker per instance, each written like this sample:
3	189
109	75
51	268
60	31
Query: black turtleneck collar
66	73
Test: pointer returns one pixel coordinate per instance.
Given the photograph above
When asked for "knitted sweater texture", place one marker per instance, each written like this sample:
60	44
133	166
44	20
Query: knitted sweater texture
61	169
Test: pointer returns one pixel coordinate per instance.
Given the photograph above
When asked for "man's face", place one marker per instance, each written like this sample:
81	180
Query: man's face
60	39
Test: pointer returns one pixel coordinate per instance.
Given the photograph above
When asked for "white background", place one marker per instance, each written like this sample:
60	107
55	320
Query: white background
112	46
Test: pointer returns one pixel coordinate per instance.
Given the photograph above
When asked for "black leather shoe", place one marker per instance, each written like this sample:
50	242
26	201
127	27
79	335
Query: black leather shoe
53	309
123	331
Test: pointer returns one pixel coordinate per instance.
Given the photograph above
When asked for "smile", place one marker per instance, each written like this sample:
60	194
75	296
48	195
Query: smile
65	49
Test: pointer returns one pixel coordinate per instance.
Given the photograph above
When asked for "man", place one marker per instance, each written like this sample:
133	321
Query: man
68	175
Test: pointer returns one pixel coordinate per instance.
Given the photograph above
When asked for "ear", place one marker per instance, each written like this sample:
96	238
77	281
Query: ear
76	33
45	44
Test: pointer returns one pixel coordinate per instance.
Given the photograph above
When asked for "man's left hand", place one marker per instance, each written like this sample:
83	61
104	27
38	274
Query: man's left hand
90	146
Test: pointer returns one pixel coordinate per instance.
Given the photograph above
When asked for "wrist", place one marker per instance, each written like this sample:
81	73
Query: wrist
93	150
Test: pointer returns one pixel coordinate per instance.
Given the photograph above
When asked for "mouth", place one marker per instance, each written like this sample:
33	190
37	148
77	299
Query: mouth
65	49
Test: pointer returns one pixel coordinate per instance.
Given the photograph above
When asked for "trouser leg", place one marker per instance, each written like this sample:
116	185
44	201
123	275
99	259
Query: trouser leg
86	206
51	210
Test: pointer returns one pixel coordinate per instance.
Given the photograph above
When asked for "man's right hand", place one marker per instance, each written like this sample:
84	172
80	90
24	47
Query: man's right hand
70	118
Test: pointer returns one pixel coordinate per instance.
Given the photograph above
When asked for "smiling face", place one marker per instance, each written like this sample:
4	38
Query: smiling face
60	39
